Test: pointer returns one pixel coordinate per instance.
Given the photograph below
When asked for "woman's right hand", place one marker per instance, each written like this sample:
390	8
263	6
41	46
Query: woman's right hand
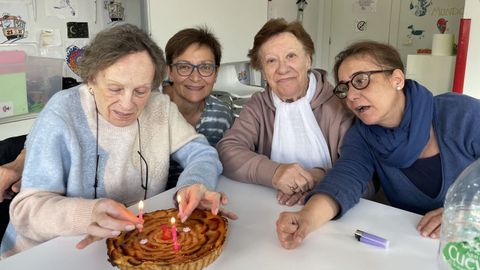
109	219
292	228
292	178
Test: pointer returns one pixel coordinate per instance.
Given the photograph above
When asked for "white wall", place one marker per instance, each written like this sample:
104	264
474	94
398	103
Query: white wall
472	80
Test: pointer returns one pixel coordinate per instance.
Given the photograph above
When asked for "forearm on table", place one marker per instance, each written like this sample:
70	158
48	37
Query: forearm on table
41	215
201	164
320	209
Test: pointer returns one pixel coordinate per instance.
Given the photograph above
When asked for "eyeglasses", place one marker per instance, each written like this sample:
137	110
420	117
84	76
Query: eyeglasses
186	69
143	184
360	80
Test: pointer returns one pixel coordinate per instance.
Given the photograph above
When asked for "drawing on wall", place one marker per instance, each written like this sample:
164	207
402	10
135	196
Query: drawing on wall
73	55
415	32
13	27
14	21
442	25
420	7
61	8
116	12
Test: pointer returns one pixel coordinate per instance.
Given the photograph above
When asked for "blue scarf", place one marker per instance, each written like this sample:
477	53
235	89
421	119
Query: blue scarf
401	146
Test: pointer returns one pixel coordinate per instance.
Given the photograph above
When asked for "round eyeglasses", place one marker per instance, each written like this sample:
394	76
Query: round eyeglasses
186	69
360	80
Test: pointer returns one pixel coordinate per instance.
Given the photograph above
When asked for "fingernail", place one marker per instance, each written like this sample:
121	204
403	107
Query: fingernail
115	233
129	227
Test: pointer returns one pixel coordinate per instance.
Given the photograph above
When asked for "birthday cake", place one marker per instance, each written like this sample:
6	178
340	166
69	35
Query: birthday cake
199	241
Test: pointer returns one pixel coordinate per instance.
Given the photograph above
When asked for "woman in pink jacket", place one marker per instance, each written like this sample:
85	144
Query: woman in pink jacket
287	136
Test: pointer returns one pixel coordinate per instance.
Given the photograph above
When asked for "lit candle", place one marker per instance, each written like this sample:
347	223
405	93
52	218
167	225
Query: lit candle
176	246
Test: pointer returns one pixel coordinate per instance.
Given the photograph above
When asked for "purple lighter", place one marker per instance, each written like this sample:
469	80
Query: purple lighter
371	239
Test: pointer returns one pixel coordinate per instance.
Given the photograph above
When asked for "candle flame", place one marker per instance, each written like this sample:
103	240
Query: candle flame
140	206
172	220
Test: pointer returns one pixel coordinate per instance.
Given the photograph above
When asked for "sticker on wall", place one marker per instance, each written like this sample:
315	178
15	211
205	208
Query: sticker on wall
73	55
442	25
415	33
420	7
6	108
360	25
365	6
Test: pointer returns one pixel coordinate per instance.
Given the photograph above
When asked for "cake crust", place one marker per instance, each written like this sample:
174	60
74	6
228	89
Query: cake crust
201	240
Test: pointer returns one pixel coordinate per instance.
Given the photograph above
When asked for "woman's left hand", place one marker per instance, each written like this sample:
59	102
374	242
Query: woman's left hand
291	199
430	224
198	196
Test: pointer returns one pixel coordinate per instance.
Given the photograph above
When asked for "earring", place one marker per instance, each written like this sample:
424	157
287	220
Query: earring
90	91
399	88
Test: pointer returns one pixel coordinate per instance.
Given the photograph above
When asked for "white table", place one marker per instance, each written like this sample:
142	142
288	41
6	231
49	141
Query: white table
252	242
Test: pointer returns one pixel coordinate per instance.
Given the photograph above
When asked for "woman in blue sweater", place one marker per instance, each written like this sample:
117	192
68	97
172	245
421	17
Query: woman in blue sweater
417	144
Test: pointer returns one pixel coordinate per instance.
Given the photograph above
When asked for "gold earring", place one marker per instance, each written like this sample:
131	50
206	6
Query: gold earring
90	91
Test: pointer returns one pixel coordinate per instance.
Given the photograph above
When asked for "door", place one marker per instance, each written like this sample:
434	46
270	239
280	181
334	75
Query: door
354	20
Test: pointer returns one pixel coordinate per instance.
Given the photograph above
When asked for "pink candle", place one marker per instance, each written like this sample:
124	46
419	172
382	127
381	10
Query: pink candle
176	246
140	211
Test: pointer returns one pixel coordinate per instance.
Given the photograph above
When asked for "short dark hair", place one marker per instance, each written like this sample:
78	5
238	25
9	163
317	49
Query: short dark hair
384	55
202	36
111	44
274	27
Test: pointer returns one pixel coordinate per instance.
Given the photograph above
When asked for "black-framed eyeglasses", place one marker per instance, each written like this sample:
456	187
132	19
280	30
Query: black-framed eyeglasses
360	80
186	69
143	184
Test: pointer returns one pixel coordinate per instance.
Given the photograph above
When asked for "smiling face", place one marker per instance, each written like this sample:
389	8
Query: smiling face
193	88
383	101
122	90
285	65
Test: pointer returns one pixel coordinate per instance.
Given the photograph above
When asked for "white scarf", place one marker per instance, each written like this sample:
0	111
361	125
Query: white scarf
297	137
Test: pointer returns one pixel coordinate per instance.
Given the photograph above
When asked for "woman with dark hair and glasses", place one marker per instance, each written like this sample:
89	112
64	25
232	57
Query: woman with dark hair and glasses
193	57
416	143
105	144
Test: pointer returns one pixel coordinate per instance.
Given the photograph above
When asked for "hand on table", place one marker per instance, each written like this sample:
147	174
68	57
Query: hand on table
430	224
198	196
292	178
292	228
291	199
109	218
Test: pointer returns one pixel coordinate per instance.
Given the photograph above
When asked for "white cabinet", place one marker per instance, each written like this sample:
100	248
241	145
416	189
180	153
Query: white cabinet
433	71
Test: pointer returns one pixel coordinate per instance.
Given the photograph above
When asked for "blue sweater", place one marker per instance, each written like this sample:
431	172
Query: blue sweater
456	121
61	162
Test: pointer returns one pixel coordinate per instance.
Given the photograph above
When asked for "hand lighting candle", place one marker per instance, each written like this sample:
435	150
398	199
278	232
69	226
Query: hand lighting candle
176	246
